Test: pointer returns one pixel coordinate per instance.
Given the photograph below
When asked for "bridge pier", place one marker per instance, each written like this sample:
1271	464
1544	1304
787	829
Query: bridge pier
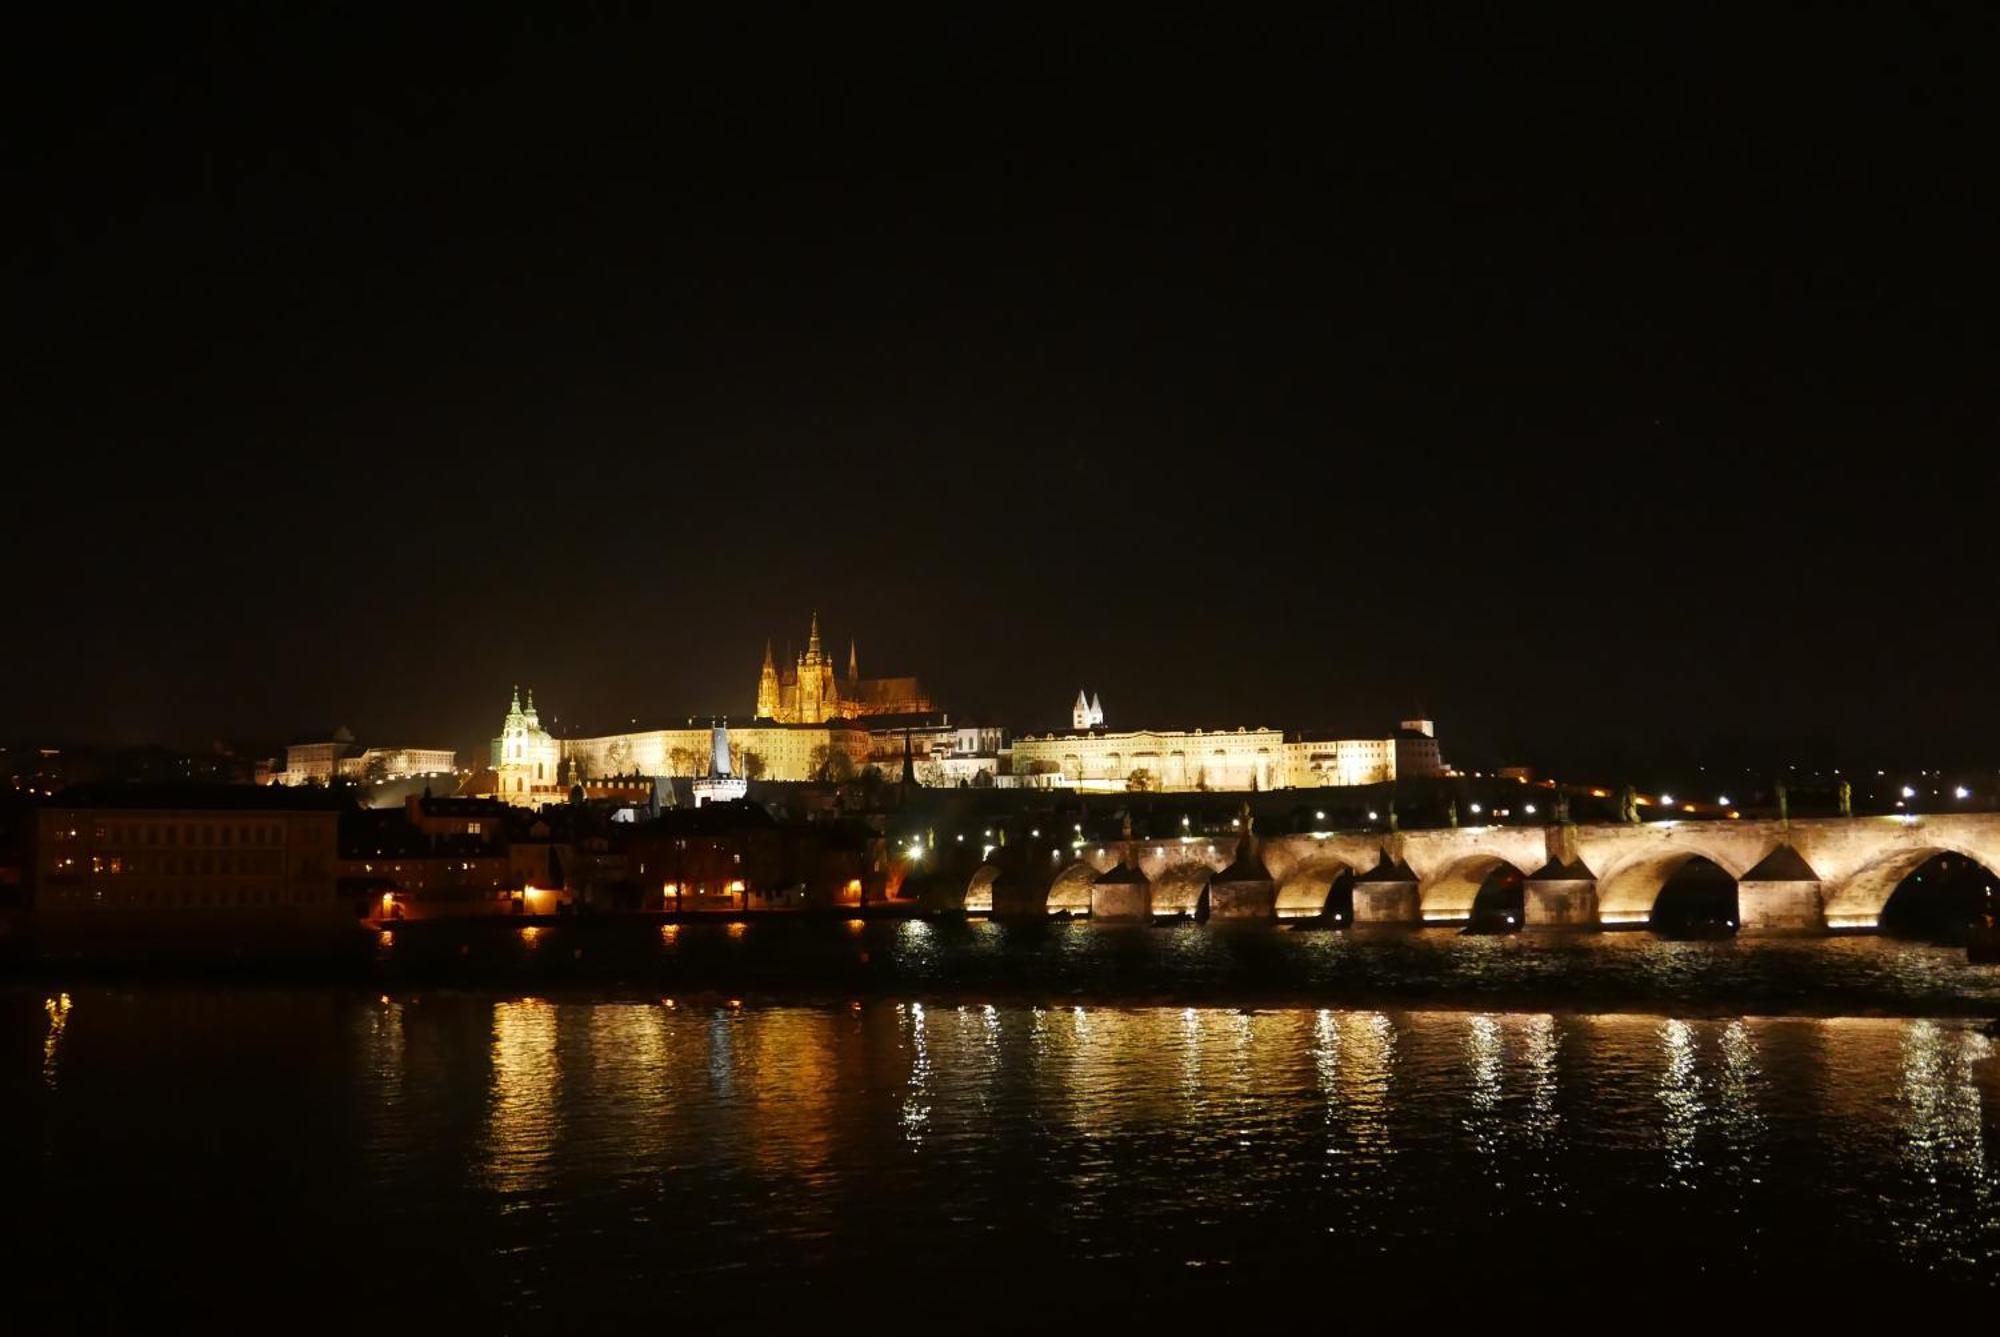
1387	894
1779	907
1780	895
1121	895
1243	900
1560	895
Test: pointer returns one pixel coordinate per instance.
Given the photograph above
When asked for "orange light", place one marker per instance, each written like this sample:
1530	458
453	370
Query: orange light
670	931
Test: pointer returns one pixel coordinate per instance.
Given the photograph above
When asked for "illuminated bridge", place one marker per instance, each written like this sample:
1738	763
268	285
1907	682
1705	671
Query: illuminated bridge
1802	875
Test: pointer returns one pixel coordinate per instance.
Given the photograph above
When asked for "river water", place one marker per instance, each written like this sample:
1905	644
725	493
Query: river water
336	1156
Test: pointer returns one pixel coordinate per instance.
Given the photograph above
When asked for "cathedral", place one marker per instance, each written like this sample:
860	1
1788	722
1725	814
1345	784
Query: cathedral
811	692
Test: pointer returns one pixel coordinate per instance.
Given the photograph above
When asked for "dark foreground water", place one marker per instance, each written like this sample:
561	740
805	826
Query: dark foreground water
284	1158
838	960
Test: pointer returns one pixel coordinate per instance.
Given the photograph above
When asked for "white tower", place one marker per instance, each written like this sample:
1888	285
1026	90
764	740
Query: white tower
1080	713
719	786
1096	712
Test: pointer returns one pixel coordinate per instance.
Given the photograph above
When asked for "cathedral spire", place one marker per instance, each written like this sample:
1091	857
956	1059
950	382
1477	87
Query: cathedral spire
768	665
853	662
812	638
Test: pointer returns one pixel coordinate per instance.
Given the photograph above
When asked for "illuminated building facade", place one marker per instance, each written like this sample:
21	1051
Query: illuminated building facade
810	692
721	784
319	763
112	858
1195	759
1153	759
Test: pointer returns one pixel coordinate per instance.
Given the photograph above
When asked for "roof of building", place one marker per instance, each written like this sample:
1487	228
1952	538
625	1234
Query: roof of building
453	806
1386	870
1248	865
202	797
1126	875
721	817
1783	864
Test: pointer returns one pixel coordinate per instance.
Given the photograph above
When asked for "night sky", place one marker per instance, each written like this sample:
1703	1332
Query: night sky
1622	388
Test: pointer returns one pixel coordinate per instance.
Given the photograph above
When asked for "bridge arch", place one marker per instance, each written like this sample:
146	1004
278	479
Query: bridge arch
1858	901
979	891
1627	893
1447	895
1304	891
1178	888
1071	889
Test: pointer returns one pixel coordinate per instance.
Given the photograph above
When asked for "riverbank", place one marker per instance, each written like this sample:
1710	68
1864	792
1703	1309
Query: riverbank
834	961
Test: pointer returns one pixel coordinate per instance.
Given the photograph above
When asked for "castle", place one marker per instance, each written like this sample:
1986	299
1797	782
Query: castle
811	693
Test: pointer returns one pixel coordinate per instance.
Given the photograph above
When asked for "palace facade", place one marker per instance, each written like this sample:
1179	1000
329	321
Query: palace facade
1242	759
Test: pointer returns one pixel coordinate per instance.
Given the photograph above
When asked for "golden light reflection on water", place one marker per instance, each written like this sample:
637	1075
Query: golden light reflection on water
1180	1131
1367	1069
523	1122
631	1077
57	1009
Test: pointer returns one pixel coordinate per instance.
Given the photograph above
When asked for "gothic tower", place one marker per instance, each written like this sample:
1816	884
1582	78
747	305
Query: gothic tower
769	701
819	698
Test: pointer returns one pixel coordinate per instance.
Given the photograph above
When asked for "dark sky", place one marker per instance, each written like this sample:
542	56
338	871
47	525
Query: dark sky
1590	387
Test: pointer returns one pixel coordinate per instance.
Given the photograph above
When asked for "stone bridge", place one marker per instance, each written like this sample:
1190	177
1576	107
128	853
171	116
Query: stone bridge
1838	874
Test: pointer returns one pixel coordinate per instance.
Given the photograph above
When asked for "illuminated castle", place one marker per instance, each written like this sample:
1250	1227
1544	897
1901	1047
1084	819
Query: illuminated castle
811	693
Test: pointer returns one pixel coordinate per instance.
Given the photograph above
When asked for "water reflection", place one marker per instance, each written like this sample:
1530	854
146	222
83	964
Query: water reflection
916	1110
1942	1143
1680	1095
679	1145
523	1121
57	1009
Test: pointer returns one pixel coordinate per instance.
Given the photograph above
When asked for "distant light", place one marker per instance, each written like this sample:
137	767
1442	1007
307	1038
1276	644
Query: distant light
1909	792
1476	807
1667	799
1528	808
1372	817
1724	800
1320	816
1962	792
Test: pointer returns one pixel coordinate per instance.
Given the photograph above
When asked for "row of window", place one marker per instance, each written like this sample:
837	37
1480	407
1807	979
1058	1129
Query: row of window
204	898
175	865
188	833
